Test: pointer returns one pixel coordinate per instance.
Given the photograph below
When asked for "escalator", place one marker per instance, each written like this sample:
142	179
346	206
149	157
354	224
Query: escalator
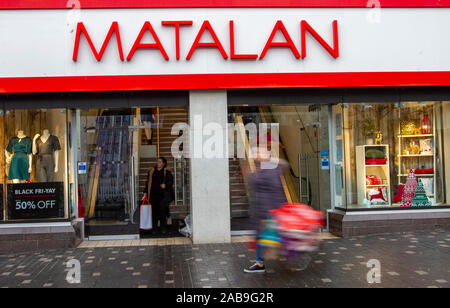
303	136
260	116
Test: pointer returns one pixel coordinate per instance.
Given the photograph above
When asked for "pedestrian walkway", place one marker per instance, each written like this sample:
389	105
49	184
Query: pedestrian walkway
413	259
166	241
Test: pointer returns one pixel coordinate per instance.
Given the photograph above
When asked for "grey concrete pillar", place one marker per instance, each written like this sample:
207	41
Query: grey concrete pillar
209	173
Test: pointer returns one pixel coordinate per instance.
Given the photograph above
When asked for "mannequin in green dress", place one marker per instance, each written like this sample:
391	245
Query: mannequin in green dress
19	156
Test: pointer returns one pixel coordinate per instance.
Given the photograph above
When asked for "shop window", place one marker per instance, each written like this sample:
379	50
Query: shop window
34	164
392	155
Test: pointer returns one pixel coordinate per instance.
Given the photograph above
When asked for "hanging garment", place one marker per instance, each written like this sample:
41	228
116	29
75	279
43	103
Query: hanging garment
18	170
398	196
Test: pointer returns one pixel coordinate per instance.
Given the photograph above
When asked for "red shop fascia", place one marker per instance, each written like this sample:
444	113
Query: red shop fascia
68	83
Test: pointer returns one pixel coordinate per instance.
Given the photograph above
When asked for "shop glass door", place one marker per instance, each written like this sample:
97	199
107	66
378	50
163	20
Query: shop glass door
117	149
108	186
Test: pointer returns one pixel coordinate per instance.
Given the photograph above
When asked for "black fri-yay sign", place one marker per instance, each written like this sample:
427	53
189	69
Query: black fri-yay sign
35	200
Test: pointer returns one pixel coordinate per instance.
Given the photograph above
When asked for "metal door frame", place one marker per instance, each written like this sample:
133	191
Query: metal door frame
305	158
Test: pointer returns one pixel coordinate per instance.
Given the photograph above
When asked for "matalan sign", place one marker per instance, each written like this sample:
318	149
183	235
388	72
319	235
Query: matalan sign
299	52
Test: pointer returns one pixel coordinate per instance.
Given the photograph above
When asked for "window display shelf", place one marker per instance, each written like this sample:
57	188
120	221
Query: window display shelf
380	185
379	206
380	171
416	155
417	175
416	136
400	205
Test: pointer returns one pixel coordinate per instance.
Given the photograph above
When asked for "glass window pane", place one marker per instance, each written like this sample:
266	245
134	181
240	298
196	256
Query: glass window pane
296	134
35	163
393	154
119	149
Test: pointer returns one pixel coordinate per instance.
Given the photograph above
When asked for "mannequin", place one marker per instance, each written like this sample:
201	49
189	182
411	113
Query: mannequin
18	154
47	148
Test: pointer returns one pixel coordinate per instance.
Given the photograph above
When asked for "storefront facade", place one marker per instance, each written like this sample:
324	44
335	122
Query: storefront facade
357	94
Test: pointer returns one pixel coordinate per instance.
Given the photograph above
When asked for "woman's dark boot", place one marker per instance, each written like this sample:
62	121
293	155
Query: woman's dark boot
164	227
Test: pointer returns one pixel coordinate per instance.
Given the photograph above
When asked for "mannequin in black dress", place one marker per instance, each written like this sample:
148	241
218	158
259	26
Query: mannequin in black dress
47	148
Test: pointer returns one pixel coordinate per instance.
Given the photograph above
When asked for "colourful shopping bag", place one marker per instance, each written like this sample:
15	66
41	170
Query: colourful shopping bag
268	236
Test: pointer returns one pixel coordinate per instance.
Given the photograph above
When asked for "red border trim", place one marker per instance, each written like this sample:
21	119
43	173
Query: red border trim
221	81
123	4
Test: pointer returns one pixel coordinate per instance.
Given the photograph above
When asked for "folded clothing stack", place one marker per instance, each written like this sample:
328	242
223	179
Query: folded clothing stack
424	171
375	157
376	161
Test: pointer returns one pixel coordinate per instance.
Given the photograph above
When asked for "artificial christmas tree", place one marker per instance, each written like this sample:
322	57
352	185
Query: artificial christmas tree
420	197
410	190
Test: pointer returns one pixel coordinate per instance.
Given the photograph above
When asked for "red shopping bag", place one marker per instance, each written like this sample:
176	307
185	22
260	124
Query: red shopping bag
251	245
146	222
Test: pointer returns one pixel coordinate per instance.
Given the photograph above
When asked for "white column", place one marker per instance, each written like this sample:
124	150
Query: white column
209	174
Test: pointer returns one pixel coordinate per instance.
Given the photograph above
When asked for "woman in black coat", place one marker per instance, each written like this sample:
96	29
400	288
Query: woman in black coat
159	191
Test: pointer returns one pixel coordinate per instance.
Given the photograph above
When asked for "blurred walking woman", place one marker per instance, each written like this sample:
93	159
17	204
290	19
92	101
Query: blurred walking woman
160	193
267	193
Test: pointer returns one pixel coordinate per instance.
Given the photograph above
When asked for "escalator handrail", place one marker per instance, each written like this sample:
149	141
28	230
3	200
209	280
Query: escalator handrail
288	194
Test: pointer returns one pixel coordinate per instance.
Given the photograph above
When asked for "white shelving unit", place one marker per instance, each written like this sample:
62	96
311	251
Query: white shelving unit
417	159
362	169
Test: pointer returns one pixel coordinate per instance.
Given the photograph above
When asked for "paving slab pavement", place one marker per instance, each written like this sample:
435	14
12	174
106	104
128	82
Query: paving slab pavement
411	259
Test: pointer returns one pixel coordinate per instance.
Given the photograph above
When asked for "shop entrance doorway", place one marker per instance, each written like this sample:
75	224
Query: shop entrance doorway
303	143
117	148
